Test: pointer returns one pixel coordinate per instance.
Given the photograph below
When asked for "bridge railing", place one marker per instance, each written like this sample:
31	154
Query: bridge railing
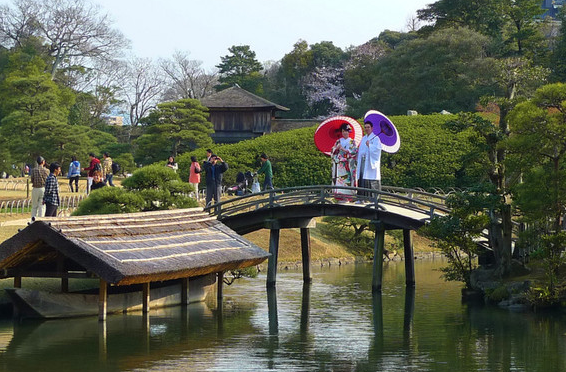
420	201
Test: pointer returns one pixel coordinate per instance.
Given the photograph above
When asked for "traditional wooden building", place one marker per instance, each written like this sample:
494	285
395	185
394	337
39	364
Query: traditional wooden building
239	115
130	251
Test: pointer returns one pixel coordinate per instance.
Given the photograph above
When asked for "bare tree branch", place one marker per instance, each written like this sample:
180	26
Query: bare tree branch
141	88
186	78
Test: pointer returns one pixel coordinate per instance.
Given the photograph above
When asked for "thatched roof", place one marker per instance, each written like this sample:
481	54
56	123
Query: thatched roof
128	248
236	97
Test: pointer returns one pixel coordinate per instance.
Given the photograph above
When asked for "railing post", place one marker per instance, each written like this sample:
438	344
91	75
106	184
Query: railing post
271	197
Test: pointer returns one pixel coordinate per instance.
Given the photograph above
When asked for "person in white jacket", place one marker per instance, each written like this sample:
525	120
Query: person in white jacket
369	161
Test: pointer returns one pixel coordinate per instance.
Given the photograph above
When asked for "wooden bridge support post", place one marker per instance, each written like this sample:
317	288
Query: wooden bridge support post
275	228
185	291
378	256
102	300
145	298
306	254
409	258
219	288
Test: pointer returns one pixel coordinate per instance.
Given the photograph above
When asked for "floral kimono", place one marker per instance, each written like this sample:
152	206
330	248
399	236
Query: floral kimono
344	164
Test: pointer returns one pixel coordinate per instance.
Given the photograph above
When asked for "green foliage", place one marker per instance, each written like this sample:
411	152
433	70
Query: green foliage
539	144
551	252
297	162
455	234
150	177
294	157
543	297
241	67
173	128
513	25
154	187
498	294
441	155
232	275
126	162
110	200
448	70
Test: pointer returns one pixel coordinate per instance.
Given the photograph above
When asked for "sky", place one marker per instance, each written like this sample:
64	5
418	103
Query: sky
207	28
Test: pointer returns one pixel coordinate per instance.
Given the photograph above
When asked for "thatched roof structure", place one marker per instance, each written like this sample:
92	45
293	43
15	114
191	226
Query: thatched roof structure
236	97
127	248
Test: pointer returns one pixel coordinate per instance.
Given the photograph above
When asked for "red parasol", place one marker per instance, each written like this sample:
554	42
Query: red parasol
328	132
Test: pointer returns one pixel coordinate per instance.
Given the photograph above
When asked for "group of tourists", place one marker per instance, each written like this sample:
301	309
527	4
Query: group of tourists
214	167
98	174
356	164
45	189
45	198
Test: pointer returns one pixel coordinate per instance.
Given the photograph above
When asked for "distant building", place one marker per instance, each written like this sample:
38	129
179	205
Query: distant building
114	120
552	7
237	114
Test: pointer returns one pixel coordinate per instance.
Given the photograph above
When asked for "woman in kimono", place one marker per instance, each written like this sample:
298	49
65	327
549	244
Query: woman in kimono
344	162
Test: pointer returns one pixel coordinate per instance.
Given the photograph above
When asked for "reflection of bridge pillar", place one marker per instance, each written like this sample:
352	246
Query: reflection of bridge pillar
409	258
272	311
408	316
275	228
306	254
378	256
305	309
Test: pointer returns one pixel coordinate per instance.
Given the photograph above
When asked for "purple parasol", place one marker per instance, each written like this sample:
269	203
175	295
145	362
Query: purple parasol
385	130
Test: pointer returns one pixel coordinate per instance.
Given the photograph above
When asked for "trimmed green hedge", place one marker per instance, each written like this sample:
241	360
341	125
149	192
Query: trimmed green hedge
430	156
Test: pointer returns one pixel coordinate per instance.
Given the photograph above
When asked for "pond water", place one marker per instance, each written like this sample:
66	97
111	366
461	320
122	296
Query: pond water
335	324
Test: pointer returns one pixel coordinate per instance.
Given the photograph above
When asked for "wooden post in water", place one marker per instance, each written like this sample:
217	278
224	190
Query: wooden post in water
145	298
184	291
63	272
274	226
102	300
219	288
378	256
306	254
409	258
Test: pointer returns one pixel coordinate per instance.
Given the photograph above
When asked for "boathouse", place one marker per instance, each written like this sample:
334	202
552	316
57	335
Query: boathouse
237	114
149	248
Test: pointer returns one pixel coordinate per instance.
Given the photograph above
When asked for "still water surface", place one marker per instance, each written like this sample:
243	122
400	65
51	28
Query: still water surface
335	324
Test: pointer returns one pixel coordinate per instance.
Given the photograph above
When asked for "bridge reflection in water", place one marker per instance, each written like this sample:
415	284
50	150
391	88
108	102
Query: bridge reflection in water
392	208
378	343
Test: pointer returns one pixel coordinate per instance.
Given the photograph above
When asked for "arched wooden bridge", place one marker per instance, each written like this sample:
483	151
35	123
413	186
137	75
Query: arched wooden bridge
393	208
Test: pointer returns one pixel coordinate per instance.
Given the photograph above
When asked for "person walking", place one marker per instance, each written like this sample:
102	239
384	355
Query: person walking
369	161
107	173
93	167
268	171
194	175
214	170
74	173
51	196
38	177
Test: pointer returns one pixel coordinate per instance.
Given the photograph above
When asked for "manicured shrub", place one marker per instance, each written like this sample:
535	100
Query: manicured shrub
154	187
430	156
